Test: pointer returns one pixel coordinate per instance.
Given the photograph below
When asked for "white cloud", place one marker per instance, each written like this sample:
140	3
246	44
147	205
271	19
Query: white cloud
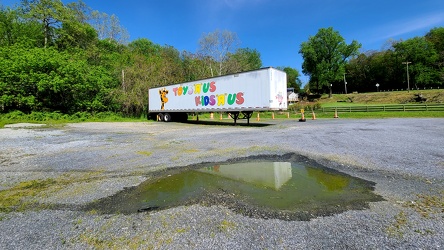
408	26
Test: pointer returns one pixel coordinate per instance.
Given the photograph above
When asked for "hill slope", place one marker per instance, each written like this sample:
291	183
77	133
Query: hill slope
395	97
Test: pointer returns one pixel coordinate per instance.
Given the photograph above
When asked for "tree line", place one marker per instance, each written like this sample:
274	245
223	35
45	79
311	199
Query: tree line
69	58
333	65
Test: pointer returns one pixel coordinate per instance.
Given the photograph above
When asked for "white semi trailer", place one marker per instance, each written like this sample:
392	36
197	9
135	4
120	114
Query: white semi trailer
239	94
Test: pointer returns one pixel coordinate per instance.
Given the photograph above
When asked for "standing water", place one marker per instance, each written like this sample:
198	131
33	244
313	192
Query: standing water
283	190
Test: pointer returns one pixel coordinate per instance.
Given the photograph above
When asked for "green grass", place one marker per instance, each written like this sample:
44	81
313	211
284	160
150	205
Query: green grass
267	116
388	114
381	98
56	118
337	100
378	98
348	104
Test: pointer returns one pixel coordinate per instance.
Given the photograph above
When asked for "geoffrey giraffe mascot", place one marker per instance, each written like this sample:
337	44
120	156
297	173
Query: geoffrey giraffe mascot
163	98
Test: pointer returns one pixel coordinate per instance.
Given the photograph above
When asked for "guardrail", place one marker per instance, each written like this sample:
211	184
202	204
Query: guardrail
379	108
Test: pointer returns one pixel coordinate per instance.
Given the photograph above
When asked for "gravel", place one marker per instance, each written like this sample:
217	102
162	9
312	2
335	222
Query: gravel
404	157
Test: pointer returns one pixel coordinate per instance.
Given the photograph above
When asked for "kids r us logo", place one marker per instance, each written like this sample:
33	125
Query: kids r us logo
209	99
220	99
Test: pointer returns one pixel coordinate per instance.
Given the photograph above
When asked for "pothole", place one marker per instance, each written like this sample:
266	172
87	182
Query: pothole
266	188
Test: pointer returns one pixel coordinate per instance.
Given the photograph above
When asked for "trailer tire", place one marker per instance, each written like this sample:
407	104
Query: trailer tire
160	115
167	117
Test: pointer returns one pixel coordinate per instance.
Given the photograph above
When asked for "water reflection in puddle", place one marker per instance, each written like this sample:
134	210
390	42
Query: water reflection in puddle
283	190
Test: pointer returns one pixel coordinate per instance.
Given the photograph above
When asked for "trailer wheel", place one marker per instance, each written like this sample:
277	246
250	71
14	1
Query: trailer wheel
167	117
160	115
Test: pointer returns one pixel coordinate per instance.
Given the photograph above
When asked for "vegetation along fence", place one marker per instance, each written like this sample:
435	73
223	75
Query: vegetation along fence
394	107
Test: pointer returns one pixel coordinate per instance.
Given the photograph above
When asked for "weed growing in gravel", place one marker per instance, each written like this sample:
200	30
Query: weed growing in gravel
226	226
25	195
397	227
424	232
146	153
93	212
100	240
21	196
191	150
182	230
428	205
78	222
92	240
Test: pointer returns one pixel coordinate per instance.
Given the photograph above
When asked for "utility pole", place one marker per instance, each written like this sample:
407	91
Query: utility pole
408	83
345	84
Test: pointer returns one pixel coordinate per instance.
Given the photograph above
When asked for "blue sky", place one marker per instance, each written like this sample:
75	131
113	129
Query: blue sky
276	28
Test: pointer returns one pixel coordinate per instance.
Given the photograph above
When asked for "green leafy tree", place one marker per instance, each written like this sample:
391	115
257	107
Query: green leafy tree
42	79
14	28
144	47
244	59
75	31
7	21
50	13
146	65
423	58
80	11
135	82
374	67
436	37
171	70
194	67
358	72
74	34
325	56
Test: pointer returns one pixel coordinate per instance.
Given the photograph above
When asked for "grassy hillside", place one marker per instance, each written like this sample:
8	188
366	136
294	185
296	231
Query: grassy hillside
376	98
395	97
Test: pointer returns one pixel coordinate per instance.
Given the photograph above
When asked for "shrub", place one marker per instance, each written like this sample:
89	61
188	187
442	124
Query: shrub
306	106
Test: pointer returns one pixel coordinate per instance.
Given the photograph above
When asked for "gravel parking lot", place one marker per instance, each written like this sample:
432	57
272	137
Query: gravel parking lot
89	161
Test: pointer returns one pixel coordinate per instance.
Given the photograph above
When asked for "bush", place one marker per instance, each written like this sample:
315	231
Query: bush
14	115
306	106
57	117
81	116
37	116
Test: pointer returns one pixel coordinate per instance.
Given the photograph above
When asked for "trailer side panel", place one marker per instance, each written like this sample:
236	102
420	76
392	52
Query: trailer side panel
263	89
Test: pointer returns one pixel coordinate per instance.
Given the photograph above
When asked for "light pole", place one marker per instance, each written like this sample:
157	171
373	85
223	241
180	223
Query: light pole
408	83
345	84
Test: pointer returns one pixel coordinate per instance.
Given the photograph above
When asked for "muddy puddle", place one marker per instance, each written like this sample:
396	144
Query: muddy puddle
286	190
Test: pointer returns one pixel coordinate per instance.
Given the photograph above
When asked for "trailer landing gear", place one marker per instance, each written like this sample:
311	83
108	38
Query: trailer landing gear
241	115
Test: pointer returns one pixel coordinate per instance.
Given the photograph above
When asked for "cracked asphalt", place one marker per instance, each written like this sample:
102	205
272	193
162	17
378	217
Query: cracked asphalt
404	157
